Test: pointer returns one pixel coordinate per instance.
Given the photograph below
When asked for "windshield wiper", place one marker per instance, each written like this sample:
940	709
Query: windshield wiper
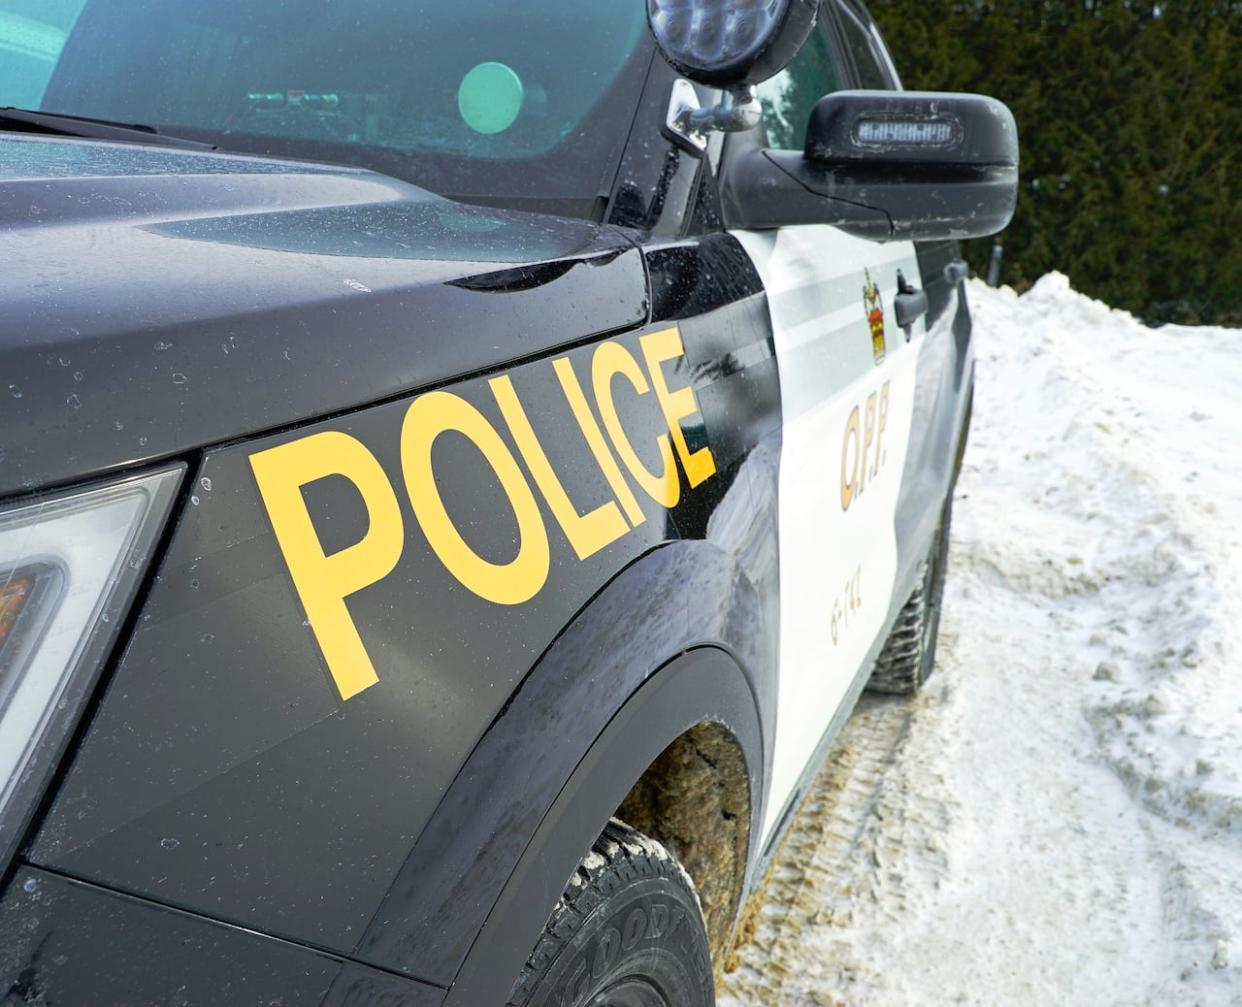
24	120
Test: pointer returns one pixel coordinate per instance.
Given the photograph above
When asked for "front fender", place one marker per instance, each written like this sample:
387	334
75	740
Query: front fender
703	684
679	597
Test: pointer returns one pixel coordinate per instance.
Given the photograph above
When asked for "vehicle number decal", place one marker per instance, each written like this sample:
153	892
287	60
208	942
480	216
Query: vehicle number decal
847	602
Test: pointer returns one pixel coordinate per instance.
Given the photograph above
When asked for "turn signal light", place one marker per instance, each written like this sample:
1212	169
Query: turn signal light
13	595
69	565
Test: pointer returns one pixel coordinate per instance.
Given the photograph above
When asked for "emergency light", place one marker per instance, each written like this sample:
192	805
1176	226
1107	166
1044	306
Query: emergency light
730	43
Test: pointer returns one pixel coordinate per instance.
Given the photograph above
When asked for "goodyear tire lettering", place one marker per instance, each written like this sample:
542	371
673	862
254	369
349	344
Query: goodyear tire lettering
601	953
607	950
634	929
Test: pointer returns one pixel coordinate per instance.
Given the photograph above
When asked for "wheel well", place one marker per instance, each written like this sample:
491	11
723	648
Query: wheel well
695	800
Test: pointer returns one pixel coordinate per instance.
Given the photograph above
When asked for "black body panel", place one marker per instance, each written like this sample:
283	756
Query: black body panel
409	803
156	301
658	179
70	943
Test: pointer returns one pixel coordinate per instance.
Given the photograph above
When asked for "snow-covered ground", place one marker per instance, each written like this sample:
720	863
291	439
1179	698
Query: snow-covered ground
1057	819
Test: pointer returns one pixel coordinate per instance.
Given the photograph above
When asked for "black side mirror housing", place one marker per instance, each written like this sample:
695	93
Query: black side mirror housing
886	165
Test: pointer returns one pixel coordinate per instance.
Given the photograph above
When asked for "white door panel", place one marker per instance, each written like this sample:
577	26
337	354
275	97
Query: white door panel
847	412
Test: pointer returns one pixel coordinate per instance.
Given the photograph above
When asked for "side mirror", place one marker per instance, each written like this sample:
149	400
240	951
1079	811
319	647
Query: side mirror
888	165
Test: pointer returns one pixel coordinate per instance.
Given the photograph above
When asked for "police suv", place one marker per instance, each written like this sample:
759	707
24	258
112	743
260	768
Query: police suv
459	465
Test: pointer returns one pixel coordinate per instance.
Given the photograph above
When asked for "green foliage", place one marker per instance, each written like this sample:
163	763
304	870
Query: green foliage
1130	119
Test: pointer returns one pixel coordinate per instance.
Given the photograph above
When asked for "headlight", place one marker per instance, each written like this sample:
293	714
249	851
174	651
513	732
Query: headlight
69	564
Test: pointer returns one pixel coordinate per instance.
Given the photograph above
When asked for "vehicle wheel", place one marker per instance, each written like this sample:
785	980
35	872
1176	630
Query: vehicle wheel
628	932
909	653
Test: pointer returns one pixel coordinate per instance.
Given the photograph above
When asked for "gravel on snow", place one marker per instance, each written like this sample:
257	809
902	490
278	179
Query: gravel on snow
1057	819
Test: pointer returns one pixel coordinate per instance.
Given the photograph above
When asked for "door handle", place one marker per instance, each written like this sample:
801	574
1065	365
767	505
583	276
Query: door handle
909	304
955	271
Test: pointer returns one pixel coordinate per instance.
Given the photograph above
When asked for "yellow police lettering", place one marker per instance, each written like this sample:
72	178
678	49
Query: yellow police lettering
595	440
587	533
613	360
509	583
677	404
323	582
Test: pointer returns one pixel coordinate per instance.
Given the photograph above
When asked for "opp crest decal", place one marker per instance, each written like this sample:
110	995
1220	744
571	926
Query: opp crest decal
875	315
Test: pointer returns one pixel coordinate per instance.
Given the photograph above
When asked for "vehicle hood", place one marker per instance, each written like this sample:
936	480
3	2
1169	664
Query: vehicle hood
154	301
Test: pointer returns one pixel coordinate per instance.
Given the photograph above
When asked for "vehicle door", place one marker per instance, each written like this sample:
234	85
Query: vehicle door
847	388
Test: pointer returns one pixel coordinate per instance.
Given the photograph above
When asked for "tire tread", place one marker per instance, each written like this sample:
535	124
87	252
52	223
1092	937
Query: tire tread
908	655
899	668
620	855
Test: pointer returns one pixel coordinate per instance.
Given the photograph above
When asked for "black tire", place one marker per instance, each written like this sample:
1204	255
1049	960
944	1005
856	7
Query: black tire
628	932
909	654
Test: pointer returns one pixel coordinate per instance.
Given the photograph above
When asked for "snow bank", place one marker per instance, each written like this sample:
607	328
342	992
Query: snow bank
1140	498
1060	821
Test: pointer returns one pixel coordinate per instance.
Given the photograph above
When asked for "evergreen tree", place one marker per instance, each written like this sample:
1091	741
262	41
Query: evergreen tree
1130	120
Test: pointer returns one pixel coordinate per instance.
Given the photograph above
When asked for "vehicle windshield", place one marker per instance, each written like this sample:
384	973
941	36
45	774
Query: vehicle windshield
494	101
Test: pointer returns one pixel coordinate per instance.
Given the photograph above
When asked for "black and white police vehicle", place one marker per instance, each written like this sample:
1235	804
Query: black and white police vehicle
459	465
